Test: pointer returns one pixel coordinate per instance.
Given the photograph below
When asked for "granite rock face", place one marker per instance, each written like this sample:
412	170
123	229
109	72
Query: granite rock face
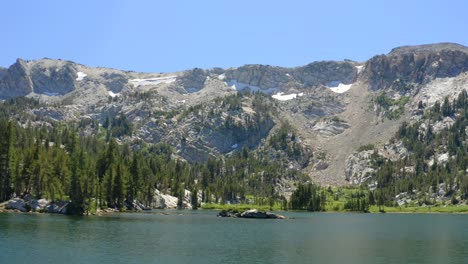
192	80
27	204
43	77
17	204
57	78
324	72
358	167
405	67
15	81
311	75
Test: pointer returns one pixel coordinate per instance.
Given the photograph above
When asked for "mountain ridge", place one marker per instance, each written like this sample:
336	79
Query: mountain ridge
332	107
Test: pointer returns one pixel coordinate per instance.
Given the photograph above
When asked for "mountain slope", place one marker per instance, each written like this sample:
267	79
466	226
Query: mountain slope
331	108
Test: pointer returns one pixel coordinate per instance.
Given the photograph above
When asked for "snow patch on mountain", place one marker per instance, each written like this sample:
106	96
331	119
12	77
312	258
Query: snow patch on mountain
152	81
285	97
338	87
359	68
112	94
81	76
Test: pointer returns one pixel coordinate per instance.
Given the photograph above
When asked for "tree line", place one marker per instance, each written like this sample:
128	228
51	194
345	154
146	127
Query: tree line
57	163
415	172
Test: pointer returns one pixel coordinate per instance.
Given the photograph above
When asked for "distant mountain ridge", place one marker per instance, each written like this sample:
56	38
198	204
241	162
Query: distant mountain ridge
324	111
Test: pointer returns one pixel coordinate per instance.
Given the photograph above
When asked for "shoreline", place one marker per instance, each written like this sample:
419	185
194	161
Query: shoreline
388	210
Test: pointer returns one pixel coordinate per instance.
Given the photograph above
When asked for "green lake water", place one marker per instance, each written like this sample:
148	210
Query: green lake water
201	237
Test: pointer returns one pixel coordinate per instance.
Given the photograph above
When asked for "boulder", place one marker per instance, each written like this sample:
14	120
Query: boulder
17	204
59	207
38	205
136	205
164	201
254	213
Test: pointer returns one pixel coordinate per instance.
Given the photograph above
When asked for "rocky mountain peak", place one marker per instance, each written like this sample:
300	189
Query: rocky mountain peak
53	76
409	66
15	81
193	80
324	72
428	48
202	114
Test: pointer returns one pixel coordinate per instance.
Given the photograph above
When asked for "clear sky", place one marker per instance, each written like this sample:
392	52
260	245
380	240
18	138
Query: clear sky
163	36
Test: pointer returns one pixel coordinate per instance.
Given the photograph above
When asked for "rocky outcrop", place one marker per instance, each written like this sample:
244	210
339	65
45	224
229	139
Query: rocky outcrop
136	205
48	77
51	79
28	204
59	207
17	204
263	76
15	81
114	81
312	75
2	71
192	80
330	127
324	72
393	151
38	205
358	167
405	67
166	201
253	213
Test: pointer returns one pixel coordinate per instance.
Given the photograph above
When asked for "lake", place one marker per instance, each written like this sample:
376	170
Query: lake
201	237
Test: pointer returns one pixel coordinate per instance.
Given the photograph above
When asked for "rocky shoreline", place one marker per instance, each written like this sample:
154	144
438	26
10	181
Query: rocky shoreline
27	203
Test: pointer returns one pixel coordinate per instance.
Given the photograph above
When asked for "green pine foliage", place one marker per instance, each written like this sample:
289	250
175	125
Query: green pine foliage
57	163
308	197
392	108
394	177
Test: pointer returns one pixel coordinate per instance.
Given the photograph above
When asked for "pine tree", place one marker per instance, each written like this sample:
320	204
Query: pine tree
135	178
118	189
77	202
194	198
7	138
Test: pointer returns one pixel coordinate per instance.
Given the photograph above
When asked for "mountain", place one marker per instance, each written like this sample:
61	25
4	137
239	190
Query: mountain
311	118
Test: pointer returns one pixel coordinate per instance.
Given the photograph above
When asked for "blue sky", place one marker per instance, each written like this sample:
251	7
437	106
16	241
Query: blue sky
163	36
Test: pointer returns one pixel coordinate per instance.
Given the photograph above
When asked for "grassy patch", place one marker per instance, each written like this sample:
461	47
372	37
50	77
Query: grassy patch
337	197
366	147
240	207
384	101
421	209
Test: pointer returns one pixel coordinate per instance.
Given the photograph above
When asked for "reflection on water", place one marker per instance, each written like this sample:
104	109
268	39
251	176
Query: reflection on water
201	237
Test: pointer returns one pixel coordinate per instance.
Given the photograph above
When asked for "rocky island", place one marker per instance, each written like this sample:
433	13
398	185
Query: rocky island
253	213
